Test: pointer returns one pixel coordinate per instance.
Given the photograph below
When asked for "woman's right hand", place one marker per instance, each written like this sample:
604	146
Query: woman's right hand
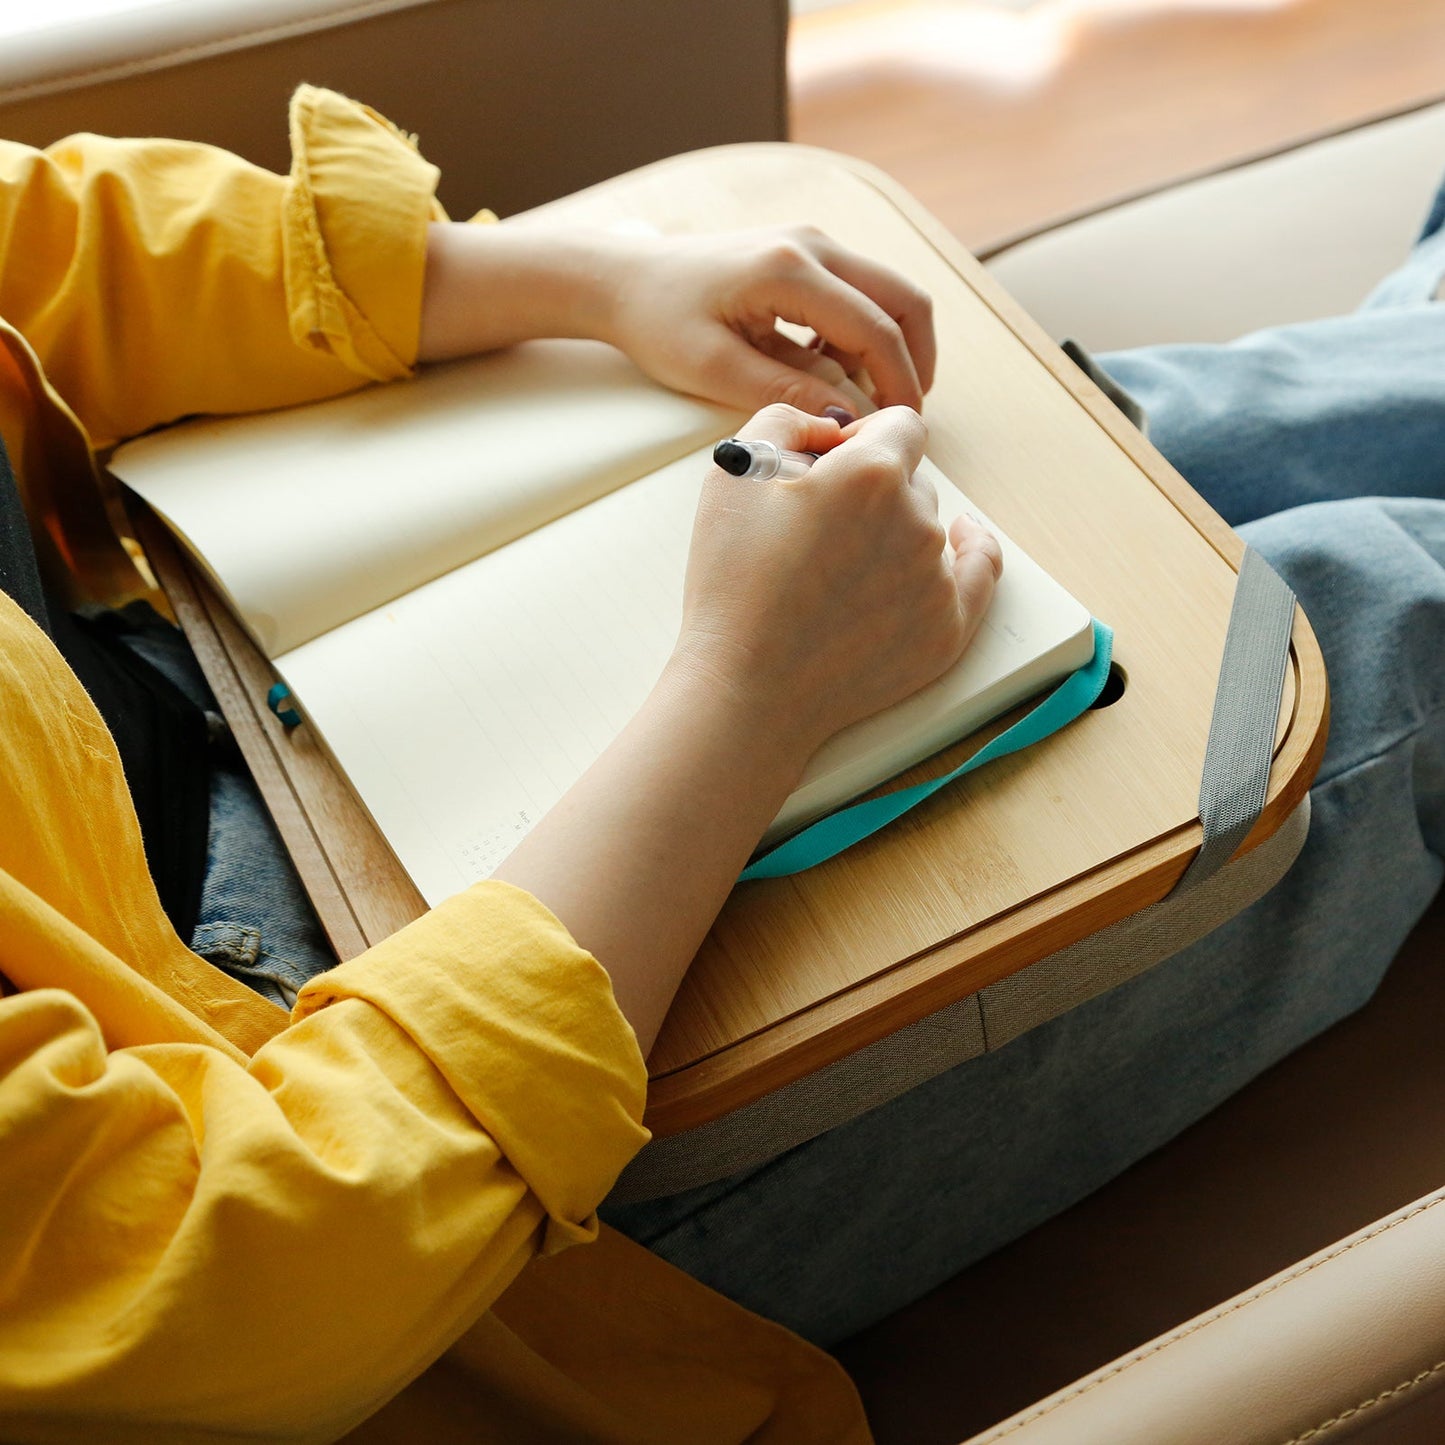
824	600
807	605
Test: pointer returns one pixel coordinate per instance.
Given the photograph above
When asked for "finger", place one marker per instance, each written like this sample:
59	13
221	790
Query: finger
977	565
742	375
845	359
909	305
806	358
853	368
888	442
790	353
788	427
850	320
926	493
967	531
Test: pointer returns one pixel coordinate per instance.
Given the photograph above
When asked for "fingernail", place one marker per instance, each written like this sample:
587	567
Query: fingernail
839	415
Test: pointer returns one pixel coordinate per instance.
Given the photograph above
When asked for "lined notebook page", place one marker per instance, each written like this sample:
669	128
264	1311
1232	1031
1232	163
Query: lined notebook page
309	517
463	711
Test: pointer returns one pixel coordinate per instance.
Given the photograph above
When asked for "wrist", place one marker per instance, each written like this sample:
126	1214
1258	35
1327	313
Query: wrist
490	286
770	727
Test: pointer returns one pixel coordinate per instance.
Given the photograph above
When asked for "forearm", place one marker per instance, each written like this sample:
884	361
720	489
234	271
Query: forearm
808	605
493	286
640	855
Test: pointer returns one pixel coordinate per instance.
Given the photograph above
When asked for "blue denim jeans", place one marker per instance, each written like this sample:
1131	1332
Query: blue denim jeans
1325	444
255	921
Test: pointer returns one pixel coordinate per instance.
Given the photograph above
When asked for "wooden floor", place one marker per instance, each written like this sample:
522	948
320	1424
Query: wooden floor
1001	117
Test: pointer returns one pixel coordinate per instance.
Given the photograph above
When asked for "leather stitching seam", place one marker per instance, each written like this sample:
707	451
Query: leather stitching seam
1140	1356
1316	1430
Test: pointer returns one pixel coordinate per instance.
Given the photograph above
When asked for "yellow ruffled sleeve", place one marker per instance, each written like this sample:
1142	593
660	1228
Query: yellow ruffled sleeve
155	279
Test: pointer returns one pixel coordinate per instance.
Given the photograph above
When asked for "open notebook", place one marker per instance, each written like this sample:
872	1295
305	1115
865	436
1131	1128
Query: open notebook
471	581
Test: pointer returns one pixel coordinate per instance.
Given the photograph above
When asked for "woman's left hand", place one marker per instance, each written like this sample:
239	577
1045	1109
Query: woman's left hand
697	313
700	314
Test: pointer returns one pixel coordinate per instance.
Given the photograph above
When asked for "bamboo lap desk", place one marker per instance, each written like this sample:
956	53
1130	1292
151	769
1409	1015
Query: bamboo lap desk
1031	854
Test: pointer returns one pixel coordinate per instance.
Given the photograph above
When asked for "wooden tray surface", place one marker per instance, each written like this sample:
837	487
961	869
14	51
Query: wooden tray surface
1025	857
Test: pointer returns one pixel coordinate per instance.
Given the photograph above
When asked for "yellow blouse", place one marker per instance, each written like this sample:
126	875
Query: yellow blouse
217	1221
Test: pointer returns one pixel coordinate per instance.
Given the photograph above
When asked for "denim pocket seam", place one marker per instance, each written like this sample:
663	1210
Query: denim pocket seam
240	943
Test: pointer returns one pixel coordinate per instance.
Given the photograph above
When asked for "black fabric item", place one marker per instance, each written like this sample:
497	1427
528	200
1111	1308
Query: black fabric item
19	576
161	735
162	738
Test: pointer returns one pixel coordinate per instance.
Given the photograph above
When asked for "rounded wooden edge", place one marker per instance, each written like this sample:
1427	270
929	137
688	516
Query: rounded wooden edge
851	1019
755	1066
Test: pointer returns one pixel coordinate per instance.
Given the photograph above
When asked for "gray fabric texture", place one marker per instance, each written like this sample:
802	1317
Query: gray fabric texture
750	1136
1104	960
804	1109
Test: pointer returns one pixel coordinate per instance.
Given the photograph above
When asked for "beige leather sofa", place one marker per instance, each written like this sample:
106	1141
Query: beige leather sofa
522	100
1300	234
518	101
1348	1343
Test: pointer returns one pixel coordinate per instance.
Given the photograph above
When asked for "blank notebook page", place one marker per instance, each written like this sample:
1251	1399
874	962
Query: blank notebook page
310	516
464	710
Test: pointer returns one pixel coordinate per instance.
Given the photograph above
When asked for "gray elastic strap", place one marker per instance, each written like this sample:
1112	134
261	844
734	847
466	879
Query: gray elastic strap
1246	710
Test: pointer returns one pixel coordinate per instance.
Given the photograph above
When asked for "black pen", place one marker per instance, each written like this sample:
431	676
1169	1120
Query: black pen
761	461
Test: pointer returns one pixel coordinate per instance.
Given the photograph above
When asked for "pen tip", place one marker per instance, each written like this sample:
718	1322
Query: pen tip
732	456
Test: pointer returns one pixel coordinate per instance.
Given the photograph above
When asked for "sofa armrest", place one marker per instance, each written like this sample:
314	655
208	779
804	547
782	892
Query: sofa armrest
518	101
1286	238
1350	1340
